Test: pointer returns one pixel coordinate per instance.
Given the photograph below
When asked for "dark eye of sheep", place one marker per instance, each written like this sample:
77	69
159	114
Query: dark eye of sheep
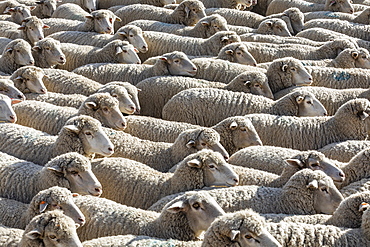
74	172
309	102
196	205
131	35
243	129
124	51
248	236
88	133
257	85
211	166
315	165
52	237
293	69
324	190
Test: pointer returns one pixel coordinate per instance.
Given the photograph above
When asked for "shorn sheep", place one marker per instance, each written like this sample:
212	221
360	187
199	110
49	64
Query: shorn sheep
48	54
174	63
7	114
16	54
81	134
348	123
184	218
16	214
306	192
88	5
197	104
70	11
188	13
205	168
70	170
157	91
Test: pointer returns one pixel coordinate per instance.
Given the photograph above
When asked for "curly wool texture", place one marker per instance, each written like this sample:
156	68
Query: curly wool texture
160	155
344	151
58	99
10	237
237	17
231	4
39	147
268	27
264	52
255	37
233	103
34	177
70	11
8	58
293	132
41	55
355	30
110	3
362	18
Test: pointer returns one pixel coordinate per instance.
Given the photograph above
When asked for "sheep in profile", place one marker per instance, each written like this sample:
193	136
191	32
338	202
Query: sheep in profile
51	119
70	170
116	51
345	150
157	91
211	100
7	114
5	5
184	218
348	123
44	8
16	54
100	21
81	134
233	4
205	27
237	53
188	13
17	215
17	13
8	88
205	168
173	63
28	79
273	26
48	54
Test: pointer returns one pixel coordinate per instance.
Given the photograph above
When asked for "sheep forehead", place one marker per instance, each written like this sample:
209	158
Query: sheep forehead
210	136
102	13
48	42
85	123
109	102
195	4
33	73
33	22
208	156
62	226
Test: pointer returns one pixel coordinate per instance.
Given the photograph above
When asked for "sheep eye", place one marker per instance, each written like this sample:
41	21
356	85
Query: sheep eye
315	165
47	48
364	57
131	36
124	51
211	166
196	205
74	172
88	133
176	61
293	69
248	236
115	95
17	50
203	144
194	10
309	102
257	85
324	190
243	129
105	109
239	53
53	237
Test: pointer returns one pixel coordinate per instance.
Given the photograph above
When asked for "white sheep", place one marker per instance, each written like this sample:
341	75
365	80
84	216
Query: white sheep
348	123
31	30
188	13
17	13
203	106
110	3
51	119
81	134
273	26
17	215
28	79
173	63
362	18
277	6
88	5
8	88
44	8
255	37
184	218
7	114
205	27
48	54
236	52
70	11
58	99
116	51
70	170
16	54
231	4
345	150
5	5
157	91
100	21
132	34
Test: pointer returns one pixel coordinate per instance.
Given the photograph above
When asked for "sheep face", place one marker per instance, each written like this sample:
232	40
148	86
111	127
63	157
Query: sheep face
225	38
134	35
103	21
31	77
89	5
126	105
296	19
19	13
362	58
297	72
20	51
47	7
7	114
246	238
7	87
33	27
165	2
213	24
199	207
191	12
274	26
51	51
243	133
344	6
237	53
309	106
127	54
51	229
179	64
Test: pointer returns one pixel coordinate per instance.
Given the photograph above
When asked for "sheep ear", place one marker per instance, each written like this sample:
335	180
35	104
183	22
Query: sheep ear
229	52
118	50
363	207
194	163
136	50
234	234
56	169
333	2
32	8
21	27
299	99
34	234
176	207
91	105
190	144
363	115
233	125
284	67
313	184
42	206
187	11
205	23
224	39
20	78
9	50
295	163
269	23
163	58
40	2
122	33
36	48
117	18
72	128
354	54
45	27
89	17
75	194
247	83
15	101
8	10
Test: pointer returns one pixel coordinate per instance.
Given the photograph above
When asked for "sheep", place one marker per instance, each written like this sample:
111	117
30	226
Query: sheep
236	52
81	134
355	30
44	8
28	79
7	114
8	88
100	21
58	99
276	159
156	91
205	27
88	5
70	170
48	54
16	214
51	119
173	63
362	18
271	26
332	99
293	17
231	4
254	37
17	13
211	100
16	54
348	123
239	229
277	6
188	13
205	168
31	30
132	34
10	237
116	51
158	3
180	219
302	194
159	43
70	11
5	5
264	52
345	150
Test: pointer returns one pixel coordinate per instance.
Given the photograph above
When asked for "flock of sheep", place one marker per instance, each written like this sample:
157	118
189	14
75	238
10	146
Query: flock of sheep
206	123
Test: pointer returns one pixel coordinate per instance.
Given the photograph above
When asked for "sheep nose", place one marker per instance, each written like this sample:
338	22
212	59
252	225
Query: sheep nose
254	64
43	90
226	158
144	47
98	191
20	96
133	108
123	124
236	180
12	118
341	174
195	69
137	62
310	79
351	11
82	220
110	149
31	62
62	58
40	38
325	113
109	28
